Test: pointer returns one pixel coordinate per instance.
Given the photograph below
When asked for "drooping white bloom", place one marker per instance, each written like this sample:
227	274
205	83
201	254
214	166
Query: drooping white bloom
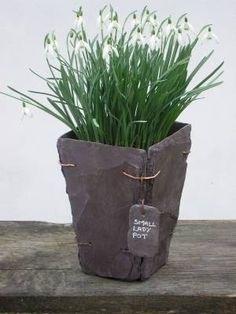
135	21
55	44
153	20
160	33
180	37
139	37
82	45
72	33
108	50
210	36
170	27
26	112
186	26
146	19
79	20
147	12
102	19
50	45
153	41
114	24
49	50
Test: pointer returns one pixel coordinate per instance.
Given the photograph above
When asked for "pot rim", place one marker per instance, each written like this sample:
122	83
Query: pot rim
175	129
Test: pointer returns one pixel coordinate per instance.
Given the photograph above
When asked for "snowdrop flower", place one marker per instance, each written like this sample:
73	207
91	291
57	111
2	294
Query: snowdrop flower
101	19
79	18
153	41
160	33
153	20
109	49
26	112
180	38
114	24
146	18
49	50
50	45
170	27
186	26
71	33
147	12
54	40
209	36
82	45
139	38
135	21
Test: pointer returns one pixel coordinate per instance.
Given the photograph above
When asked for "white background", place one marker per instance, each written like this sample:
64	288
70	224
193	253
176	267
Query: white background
31	184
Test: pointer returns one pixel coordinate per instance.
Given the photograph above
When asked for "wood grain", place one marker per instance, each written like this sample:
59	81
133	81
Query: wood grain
39	272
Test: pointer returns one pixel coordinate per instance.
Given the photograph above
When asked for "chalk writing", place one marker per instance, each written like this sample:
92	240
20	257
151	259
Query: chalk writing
144	223
142	228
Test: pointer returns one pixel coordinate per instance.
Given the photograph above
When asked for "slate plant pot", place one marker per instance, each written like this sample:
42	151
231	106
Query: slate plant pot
101	196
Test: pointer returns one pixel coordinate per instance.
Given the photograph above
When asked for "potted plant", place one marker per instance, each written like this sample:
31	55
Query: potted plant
124	158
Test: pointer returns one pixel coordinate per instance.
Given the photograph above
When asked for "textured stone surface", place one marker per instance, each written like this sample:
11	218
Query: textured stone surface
101	196
39	272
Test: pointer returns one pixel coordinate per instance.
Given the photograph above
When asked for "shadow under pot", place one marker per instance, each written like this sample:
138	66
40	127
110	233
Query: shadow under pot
125	202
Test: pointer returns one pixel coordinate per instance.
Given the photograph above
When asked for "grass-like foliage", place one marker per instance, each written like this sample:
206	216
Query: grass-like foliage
129	84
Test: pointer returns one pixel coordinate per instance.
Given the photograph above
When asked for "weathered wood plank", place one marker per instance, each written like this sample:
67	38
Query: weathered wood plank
39	271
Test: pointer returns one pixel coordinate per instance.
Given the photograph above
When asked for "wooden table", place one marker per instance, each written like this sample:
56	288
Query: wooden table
39	272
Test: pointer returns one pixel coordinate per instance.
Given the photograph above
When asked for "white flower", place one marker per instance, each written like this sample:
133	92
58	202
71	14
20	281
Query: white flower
55	44
139	37
135	21
153	21
78	22
82	45
160	33
210	36
113	24
108	50
186	26
180	38
26	112
147	12
146	19
170	27
49	50
101	20
50	45
153	41
79	19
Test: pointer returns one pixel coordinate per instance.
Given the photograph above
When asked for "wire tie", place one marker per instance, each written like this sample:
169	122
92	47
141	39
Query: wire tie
142	177
186	152
67	165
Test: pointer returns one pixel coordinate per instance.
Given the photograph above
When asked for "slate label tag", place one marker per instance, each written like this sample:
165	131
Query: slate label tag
144	227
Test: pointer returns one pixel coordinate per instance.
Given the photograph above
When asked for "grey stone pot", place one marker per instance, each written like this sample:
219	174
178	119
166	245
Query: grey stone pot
101	196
